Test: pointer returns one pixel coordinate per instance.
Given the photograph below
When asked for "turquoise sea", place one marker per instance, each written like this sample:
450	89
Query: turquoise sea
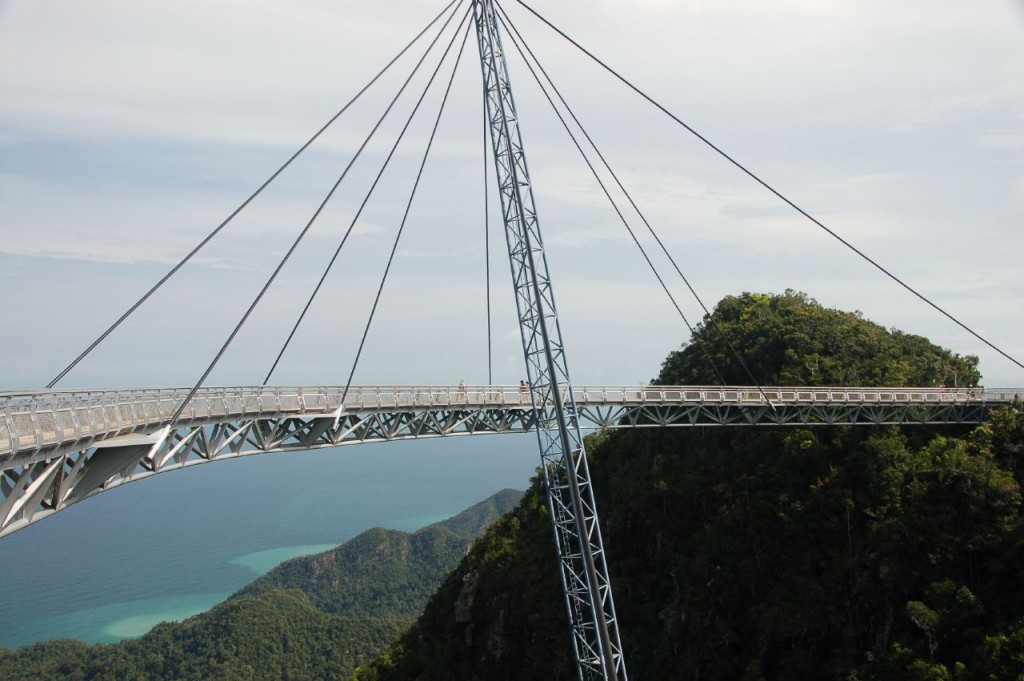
175	544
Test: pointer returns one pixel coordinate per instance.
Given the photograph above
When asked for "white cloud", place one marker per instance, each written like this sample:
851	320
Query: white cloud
131	130
948	109
868	178
1009	140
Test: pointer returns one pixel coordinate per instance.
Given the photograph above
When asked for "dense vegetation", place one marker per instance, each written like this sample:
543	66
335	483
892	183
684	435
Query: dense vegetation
385	572
315	617
767	553
499	615
278	635
791	340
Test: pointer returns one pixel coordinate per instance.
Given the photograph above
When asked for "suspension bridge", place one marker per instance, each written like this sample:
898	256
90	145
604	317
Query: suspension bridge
58	447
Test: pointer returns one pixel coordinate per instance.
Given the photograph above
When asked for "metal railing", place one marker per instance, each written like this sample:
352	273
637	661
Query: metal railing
33	420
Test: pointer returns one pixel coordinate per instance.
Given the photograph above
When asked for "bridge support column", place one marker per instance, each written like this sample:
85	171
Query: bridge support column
581	557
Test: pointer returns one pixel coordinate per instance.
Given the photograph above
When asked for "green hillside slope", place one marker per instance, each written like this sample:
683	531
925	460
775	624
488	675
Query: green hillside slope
315	617
385	572
767	553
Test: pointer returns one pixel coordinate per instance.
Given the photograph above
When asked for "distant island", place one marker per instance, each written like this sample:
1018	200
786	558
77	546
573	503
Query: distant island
314	617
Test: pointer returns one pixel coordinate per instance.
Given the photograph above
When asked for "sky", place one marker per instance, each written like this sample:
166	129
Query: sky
129	130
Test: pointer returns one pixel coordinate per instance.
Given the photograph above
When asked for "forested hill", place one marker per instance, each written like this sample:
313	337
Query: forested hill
385	572
315	617
854	552
791	340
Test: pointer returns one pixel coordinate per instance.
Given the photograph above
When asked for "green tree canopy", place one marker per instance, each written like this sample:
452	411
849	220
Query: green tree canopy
790	339
767	553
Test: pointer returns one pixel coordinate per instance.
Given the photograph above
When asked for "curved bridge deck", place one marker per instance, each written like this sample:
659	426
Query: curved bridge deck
58	447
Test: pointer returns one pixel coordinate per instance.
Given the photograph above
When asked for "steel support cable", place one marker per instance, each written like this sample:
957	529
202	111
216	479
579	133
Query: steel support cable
507	21
516	40
245	203
302	234
408	207
373	187
771	189
487	246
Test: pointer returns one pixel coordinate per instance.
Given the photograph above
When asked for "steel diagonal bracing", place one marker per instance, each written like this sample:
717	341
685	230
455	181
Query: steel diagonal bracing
57	448
38	426
583	568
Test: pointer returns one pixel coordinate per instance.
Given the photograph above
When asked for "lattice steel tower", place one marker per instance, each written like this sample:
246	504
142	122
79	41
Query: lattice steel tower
581	558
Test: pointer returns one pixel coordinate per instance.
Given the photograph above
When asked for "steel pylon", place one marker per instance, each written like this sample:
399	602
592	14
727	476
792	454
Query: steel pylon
581	557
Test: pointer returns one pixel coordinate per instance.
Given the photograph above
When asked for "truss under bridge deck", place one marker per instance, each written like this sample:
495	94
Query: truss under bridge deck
59	447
